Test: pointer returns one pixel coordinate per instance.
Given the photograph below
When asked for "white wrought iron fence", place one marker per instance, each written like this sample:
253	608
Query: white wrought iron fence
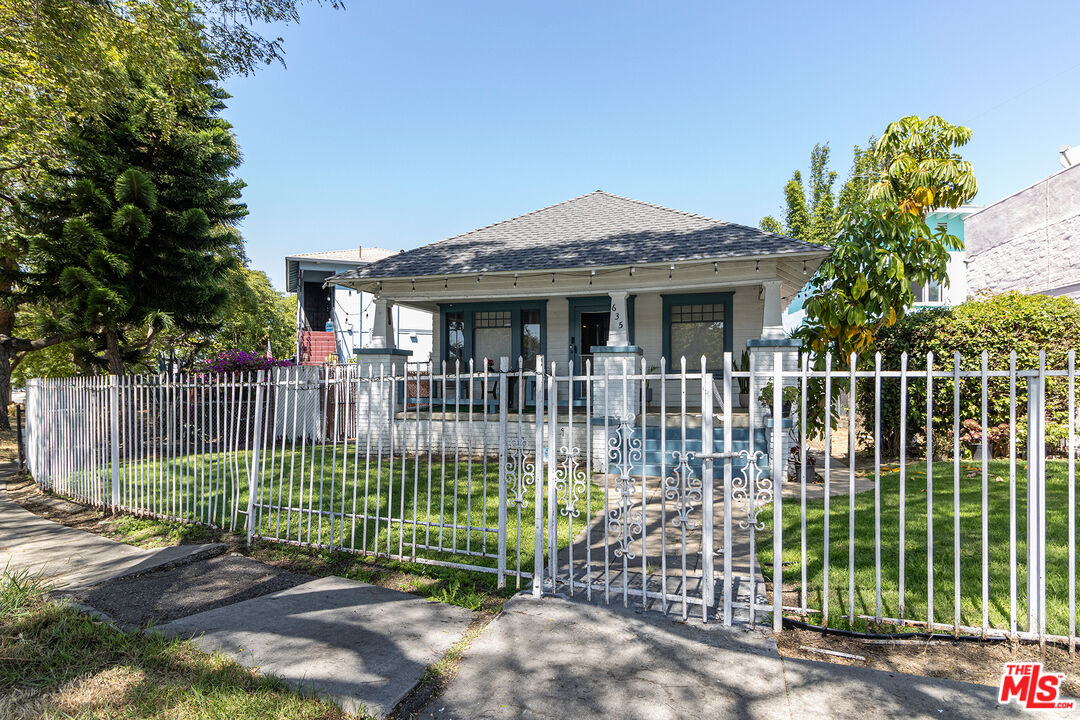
649	487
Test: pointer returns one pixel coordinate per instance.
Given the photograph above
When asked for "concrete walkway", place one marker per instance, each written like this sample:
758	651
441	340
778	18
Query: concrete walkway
555	658
74	559
363	646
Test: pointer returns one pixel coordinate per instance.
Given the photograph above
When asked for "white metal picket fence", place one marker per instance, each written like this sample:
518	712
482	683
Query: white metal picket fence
652	488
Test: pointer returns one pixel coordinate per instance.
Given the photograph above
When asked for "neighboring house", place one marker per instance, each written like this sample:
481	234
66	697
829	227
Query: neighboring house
333	322
956	290
1029	241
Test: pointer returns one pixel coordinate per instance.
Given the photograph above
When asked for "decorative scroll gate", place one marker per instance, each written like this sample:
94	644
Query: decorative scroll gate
670	490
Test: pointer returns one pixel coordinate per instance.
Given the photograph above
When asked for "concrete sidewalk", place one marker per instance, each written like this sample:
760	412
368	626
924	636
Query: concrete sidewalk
554	658
75	559
363	646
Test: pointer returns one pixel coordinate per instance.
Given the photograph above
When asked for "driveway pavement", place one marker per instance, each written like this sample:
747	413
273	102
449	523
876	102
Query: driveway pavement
556	658
364	647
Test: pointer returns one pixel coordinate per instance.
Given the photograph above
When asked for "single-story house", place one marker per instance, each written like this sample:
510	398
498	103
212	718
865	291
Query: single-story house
332	323
588	278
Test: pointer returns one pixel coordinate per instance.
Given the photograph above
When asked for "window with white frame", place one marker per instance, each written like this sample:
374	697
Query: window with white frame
931	294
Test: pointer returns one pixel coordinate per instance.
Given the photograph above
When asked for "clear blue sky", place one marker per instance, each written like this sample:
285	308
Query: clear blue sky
401	123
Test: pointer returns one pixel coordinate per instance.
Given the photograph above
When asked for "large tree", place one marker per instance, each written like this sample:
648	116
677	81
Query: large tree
135	235
63	62
884	244
255	317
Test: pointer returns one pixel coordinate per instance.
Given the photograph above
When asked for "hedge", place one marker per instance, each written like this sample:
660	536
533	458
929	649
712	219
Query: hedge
997	324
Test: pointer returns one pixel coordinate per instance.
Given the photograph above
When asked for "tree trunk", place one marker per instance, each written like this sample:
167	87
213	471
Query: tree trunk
7	330
112	353
5	384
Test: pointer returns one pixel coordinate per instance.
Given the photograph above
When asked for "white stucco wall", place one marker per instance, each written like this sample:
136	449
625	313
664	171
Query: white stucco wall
1028	242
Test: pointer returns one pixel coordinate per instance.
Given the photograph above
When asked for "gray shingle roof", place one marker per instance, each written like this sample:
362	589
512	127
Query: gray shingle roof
594	230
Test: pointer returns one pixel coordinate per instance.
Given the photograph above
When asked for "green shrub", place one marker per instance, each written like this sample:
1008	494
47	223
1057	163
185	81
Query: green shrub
998	325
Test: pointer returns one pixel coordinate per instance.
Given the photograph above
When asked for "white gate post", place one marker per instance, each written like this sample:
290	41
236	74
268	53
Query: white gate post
504	368
728	453
253	478
114	420
778	461
552	455
538	526
708	591
1036	499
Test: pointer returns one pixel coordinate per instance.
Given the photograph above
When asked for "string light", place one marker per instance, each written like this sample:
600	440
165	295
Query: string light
592	274
515	279
803	267
757	266
716	267
670	270
631	271
413	281
444	282
552	278
478	278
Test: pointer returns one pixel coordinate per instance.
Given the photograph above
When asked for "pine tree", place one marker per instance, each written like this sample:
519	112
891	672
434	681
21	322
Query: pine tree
139	226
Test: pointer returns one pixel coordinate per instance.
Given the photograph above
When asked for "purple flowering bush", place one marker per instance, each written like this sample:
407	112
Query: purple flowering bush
229	361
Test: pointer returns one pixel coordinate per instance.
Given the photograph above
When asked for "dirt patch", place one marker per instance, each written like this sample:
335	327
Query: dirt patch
474	591
9	448
161	596
118	527
974	662
24	492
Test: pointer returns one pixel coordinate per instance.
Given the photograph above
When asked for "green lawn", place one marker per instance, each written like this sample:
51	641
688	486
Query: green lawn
915	560
445	506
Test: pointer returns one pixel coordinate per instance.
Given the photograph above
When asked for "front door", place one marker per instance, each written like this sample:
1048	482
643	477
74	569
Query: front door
317	306
590	328
592	331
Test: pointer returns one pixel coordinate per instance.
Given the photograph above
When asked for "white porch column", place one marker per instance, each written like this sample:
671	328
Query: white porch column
612	362
772	322
619	325
382	358
382	326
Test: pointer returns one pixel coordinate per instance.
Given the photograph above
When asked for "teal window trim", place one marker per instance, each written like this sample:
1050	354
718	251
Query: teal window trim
515	307
719	298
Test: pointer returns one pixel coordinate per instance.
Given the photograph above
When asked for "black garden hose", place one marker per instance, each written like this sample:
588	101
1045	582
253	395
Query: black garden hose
799	625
